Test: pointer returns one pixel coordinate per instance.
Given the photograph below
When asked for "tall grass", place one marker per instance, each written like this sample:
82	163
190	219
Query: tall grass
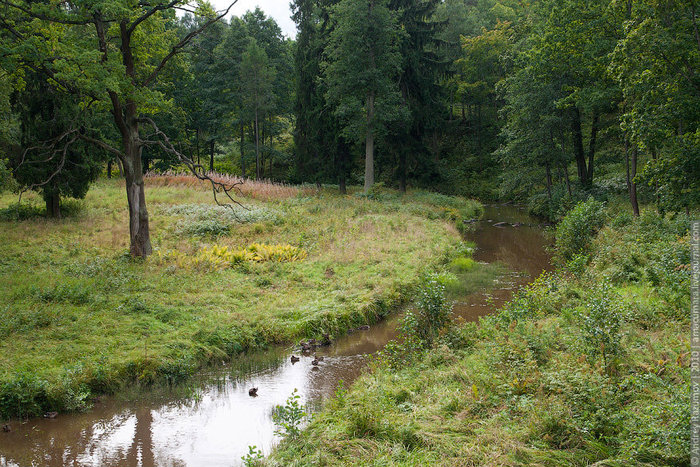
264	190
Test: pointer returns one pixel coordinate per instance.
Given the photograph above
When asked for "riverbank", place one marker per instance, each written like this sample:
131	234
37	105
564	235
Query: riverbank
81	318
588	364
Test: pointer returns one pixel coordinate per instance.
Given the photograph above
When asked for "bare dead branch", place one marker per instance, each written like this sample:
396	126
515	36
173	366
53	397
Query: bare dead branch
186	10
186	40
197	170
51	146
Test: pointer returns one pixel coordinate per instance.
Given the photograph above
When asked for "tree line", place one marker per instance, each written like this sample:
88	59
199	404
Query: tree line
545	102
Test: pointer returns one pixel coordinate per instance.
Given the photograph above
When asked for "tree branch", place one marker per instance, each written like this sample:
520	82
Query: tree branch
102	145
50	148
186	40
44	17
151	12
197	169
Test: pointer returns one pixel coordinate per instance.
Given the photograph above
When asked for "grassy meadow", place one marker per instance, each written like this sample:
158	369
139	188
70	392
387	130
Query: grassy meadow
589	365
80	318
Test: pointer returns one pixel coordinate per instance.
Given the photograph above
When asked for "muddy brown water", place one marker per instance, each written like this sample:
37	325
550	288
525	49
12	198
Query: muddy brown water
216	421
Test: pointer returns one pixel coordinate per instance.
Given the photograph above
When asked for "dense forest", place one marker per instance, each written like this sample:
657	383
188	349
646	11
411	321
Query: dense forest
491	198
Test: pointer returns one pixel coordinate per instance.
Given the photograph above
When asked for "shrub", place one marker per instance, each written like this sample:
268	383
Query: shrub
421	326
21	212
433	312
7	182
601	319
462	264
577	229
24	395
289	417
253	457
577	264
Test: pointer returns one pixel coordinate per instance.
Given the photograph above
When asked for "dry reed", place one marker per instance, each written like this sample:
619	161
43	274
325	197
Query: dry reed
265	190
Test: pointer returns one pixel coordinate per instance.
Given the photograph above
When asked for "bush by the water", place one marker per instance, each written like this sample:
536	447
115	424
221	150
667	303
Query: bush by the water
578	227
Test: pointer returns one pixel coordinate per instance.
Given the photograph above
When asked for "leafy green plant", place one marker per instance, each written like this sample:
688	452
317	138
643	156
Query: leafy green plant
23	395
577	264
253	457
462	264
76	294
577	228
21	212
601	320
289	417
420	327
432	310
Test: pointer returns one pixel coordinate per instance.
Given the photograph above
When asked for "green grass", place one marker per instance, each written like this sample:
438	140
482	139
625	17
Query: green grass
80	317
531	384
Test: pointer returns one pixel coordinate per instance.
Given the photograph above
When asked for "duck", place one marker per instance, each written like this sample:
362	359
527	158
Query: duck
318	358
364	327
294	359
50	414
6	428
314	362
253	392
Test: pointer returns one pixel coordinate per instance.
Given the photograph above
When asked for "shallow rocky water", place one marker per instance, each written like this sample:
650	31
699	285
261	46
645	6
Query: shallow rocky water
215	420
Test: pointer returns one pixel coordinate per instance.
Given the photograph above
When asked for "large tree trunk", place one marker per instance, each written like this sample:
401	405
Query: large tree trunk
369	145
342	184
135	195
549	183
591	146
578	146
109	168
566	177
53	205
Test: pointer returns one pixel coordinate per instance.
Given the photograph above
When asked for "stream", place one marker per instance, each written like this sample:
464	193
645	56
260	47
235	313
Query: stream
216	420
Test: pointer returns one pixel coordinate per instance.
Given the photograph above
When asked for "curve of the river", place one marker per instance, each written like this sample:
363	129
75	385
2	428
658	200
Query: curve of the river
216	422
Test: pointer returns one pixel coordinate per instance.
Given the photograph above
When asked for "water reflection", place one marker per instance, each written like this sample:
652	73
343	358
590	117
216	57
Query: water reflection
216	425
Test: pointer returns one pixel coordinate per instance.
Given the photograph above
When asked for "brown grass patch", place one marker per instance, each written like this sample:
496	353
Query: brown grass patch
265	190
